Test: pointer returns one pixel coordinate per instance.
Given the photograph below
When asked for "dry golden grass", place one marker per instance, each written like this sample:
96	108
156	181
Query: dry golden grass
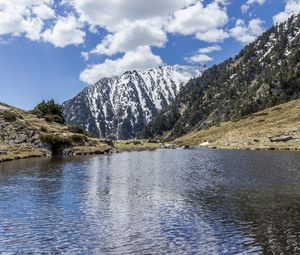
254	131
39	126
20	152
135	145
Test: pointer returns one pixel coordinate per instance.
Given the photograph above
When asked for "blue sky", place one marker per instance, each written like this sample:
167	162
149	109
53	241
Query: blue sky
53	49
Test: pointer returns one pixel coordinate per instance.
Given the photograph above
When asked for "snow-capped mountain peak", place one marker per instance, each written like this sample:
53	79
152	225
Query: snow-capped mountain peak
120	106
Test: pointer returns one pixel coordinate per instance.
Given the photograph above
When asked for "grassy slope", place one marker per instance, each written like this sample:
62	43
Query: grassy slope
132	145
39	126
253	132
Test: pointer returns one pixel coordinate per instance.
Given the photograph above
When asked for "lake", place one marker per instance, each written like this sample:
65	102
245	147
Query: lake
197	201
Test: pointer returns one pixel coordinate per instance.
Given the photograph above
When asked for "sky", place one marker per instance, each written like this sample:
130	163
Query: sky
55	48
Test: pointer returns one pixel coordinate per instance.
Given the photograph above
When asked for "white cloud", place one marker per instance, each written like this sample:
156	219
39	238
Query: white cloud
210	49
214	35
43	11
247	34
141	58
128	39
85	55
65	32
205	22
111	14
134	25
292	8
245	7
199	58
24	17
131	27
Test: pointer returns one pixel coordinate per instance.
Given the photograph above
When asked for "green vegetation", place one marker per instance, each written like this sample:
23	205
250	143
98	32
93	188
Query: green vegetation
9	116
264	74
135	145
56	140
50	110
9	152
78	138
27	135
251	133
76	129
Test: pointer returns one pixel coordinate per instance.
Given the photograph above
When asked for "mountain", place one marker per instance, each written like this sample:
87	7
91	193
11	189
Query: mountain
264	74
257	131
119	107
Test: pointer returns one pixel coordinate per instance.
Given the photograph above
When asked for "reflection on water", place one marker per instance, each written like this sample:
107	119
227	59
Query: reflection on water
177	201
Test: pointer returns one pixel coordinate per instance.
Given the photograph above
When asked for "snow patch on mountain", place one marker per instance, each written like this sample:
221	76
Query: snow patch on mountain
119	107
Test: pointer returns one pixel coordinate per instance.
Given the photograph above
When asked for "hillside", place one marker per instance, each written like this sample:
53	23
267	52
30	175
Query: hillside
254	131
119	107
264	74
23	134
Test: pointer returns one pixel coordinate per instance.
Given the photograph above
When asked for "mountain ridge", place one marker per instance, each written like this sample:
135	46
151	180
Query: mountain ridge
119	107
265	73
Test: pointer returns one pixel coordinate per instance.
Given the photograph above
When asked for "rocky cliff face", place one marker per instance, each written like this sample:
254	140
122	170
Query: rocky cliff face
119	107
264	74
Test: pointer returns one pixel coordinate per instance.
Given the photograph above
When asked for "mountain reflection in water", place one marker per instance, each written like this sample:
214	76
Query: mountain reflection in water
157	202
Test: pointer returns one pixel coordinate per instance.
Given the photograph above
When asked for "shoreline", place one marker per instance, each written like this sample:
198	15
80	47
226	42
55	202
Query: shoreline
24	152
41	154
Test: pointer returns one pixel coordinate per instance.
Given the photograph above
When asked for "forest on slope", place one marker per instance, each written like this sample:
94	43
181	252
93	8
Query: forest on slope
264	74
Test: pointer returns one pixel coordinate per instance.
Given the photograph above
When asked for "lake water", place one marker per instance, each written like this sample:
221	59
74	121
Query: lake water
152	202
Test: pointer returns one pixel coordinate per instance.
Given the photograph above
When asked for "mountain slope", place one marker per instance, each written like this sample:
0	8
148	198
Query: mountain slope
119	107
23	135
253	131
262	75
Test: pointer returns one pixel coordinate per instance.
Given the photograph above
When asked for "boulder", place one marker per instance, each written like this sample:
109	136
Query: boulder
282	138
295	129
204	144
168	146
185	147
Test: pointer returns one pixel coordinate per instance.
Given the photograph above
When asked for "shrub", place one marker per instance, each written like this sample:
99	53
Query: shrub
136	142
77	138
43	129
55	140
54	118
9	116
76	129
37	113
49	108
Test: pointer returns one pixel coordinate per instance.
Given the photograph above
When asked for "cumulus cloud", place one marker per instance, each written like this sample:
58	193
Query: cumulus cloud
247	34
135	25
132	36
215	35
24	17
245	7
141	58
85	55
205	22
44	11
292	8
112	14
199	58
65	32
210	49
